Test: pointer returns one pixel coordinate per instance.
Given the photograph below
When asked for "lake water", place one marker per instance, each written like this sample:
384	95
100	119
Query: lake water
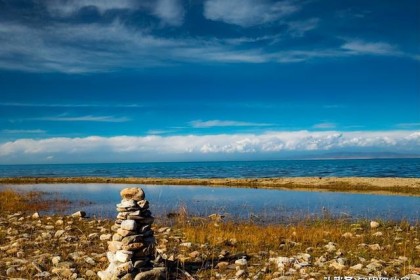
258	204
231	169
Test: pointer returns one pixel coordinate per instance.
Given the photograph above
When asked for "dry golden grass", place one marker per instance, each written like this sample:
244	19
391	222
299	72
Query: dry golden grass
13	201
311	236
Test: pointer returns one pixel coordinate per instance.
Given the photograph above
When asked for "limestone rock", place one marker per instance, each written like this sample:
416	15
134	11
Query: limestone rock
132	193
79	214
374	224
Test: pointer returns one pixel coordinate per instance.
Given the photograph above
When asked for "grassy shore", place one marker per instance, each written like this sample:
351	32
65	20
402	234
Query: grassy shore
401	186
66	247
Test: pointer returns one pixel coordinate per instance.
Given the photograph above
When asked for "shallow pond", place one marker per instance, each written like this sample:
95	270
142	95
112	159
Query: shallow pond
258	204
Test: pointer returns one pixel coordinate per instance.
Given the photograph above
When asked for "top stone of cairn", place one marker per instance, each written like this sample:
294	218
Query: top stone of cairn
136	194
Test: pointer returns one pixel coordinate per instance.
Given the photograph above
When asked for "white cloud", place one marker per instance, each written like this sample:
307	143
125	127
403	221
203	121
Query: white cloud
160	147
247	13
170	11
86	48
220	123
374	48
65	8
70	105
299	28
84	119
23	131
325	125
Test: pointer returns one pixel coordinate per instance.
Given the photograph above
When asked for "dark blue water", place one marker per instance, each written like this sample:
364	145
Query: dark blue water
231	169
266	206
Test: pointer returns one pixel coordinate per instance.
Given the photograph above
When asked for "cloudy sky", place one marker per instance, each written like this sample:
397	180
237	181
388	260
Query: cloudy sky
168	80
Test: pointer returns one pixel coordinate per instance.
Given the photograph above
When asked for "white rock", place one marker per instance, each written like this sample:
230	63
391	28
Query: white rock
55	260
241	262
123	256
59	233
90	261
80	214
35	215
104	237
374	224
186	244
356	267
330	247
127	203
129	225
337	266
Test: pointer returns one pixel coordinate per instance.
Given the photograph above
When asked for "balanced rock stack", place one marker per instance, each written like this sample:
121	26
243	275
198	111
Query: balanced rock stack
132	249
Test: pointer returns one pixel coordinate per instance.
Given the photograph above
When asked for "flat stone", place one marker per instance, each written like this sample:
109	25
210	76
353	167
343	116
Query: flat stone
59	233
132	246
79	214
132	239
136	194
129	225
104	237
123	256
127	203
241	262
117	237
153	274
124	232
123	269
114	246
90	273
356	267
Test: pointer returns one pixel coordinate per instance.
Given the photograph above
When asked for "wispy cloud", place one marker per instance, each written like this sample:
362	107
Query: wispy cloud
104	47
373	48
23	131
69	105
223	123
325	125
299	28
84	119
159	147
65	8
247	13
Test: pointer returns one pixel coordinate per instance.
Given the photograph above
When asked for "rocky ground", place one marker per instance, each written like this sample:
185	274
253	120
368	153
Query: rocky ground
34	246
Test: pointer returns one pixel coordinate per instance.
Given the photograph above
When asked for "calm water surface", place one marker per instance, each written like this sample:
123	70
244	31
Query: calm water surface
259	204
231	169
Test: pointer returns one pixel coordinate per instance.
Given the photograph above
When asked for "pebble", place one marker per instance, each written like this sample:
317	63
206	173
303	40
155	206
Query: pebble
59	233
374	224
104	237
241	262
79	214
55	260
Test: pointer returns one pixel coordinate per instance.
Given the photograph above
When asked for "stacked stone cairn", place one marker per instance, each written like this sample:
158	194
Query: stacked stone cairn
132	249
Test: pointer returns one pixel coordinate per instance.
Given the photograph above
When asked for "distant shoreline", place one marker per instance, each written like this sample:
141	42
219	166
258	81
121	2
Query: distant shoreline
394	185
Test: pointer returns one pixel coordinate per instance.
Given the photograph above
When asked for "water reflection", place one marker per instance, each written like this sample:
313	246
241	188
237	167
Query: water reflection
263	205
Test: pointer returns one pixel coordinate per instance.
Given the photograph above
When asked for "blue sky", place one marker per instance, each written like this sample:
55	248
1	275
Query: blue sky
127	80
